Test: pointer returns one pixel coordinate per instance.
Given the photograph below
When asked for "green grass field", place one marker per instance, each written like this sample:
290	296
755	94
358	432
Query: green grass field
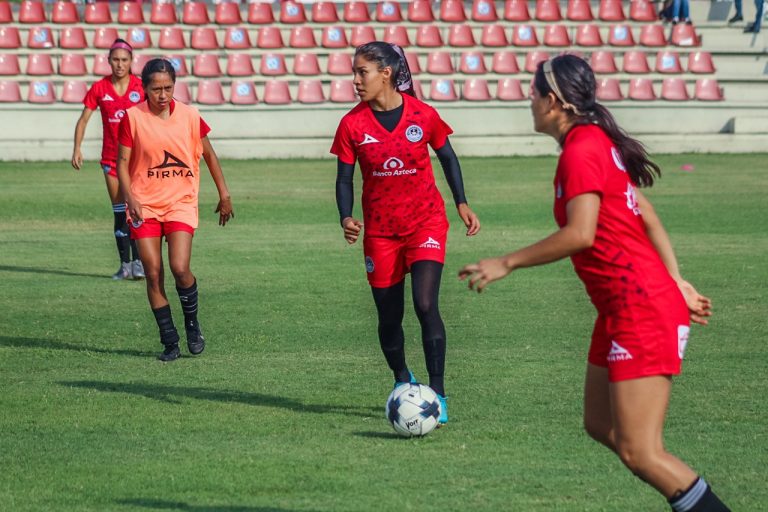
284	411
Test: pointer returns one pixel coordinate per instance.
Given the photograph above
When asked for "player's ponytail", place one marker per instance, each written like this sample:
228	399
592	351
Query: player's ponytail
392	56
157	66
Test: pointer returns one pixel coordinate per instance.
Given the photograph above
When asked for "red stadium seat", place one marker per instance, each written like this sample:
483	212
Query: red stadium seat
509	89
260	13
334	37
310	91
611	10
343	91
204	38
302	36
548	10
668	62
236	38
9	37
206	65
9	64
620	35
439	63
516	10
653	35
273	64
65	12
276	92
73	38
39	64
579	10
181	93
442	89
556	35
642	10
74	91
139	61
476	89
608	90
472	63
361	34
227	13
40	38
31	11
339	64
163	13
533	58
396	34
356	12
306	64
130	13
505	63
195	13
420	11
324	12
428	36
388	12
484	11
701	62
10	91
269	37
292	12
171	38
452	11
41	92
708	90
417	90
139	38
101	65
494	36
674	89
461	36
635	62
6	15
641	89
73	64
240	64
210	92
413	62
179	64
97	13
243	93
684	35
588	34
603	62
524	35
103	37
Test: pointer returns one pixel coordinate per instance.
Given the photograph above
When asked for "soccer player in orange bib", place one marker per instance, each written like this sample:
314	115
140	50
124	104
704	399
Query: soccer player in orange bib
112	95
622	253
161	142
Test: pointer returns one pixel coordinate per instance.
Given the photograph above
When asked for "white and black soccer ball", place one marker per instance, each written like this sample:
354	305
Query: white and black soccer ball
413	409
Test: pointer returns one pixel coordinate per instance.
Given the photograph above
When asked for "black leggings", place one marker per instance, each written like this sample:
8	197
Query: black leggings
390	303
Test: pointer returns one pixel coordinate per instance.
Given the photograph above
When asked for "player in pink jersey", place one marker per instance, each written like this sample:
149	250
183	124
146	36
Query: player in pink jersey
406	226
113	95
622	253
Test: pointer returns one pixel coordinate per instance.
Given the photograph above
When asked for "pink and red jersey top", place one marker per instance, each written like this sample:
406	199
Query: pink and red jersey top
102	95
622	267
125	137
399	190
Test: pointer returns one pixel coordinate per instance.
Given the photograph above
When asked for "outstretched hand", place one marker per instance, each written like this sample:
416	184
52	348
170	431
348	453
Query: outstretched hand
484	272
225	211
469	218
699	306
352	228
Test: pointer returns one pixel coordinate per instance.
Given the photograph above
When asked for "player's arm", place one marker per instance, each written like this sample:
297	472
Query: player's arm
77	155
345	200
124	181
452	170
224	208
578	234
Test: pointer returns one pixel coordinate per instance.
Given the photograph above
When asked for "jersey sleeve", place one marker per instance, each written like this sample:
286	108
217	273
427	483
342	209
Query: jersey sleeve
440	131
91	98
581	173
342	144
204	129
124	136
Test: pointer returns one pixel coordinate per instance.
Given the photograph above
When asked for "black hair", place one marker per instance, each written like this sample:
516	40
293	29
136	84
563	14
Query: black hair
123	41
156	66
577	84
387	55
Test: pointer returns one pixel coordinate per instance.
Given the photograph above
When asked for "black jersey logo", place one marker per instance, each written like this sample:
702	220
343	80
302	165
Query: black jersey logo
172	167
170	161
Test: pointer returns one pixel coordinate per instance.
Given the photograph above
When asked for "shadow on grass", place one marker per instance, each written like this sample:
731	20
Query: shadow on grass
379	435
172	394
12	341
39	270
180	505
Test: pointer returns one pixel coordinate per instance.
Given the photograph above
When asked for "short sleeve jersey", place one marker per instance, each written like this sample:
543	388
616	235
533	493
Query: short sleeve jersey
622	267
399	190
102	95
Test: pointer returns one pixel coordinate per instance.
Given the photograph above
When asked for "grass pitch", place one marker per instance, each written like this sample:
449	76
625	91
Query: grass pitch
284	411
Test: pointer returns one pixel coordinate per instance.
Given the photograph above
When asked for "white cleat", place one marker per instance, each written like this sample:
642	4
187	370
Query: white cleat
124	272
137	269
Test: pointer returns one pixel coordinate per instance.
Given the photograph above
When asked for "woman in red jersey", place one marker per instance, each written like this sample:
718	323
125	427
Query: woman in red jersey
113	95
406	227
621	252
160	145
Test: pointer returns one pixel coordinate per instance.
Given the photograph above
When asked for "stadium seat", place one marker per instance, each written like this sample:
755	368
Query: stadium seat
310	91
635	62
452	11
533	58
204	38
653	35
292	12
611	10
276	92
476	89
608	90
334	37
708	90
324	12
101	65
139	61
674	89
356	12
420	11
31	11
6	15
64	12
579	10
72	64
73	38
171	38
181	92
556	35
668	62
9	64
339	64
226	13
139	38
10	91
9	37
642	10
273	64
343	91
396	34
620	35
74	91
505	63
439	63
236	38
130	13
195	13
361	34
603	62
700	62
209	92
388	12
39	64
641	89
516	10
97	13
509	89
243	93
493	36
484	11
260	13
548	10
417	90
269	37
41	92
461	36
240	64
413	62
524	35
302	36
206	65
684	35
40	38
588	34
179	64
442	89
428	36
103	37
472	63
306	64
163	13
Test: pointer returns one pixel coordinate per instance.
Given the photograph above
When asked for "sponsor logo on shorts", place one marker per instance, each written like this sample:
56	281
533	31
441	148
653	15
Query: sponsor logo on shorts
431	243
369	264
618	353
136	223
414	133
368	140
682	339
134	96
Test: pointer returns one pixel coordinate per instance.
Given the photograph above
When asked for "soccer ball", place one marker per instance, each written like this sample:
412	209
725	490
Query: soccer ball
413	409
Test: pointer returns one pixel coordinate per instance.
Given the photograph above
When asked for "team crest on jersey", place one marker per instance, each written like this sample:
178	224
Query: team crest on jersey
134	96
617	159
368	140
414	133
368	264
107	97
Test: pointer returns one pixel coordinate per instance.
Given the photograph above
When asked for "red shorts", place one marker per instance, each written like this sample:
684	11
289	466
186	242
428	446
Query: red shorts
109	170
389	258
153	228
643	339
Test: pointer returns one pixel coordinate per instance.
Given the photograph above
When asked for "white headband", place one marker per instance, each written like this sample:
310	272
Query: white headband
549	75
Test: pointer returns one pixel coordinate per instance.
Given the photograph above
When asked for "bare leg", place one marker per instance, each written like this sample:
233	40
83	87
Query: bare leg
598	420
152	259
179	255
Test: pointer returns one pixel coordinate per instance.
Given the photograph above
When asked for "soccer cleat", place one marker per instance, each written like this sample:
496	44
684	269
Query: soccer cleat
195	339
137	269
124	272
171	353
412	380
443	419
736	17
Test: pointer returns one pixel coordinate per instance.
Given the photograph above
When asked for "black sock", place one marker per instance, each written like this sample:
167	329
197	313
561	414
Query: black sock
168	334
134	250
122	237
697	498
434	355
390	306
188	297
425	276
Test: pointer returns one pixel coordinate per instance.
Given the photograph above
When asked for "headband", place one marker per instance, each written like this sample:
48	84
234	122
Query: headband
549	75
403	81
120	45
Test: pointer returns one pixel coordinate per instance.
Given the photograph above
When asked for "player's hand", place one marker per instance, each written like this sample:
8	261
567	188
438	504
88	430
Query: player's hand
225	211
352	228
77	159
469	218
484	272
134	211
699	306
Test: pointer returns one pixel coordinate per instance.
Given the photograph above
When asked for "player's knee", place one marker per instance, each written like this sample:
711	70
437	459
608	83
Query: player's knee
153	276
181	272
425	307
637	459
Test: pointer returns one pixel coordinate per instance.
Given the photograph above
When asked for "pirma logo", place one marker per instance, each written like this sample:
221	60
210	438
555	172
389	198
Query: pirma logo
431	243
172	167
369	264
618	353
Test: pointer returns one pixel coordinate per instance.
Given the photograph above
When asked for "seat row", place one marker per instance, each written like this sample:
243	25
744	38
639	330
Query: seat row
309	64
290	12
303	36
